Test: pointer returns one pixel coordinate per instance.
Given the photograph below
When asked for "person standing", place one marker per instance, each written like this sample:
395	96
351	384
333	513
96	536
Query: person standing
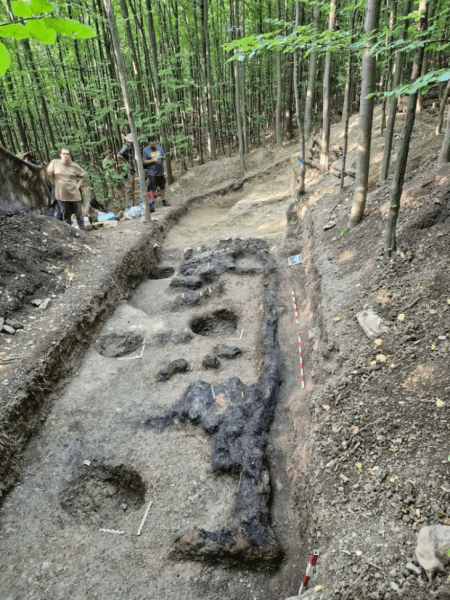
126	155
153	158
67	178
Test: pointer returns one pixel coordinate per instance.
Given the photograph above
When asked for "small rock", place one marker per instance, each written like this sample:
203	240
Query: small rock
432	544
394	586
413	568
9	329
329	225
45	304
87	463
227	351
188	253
183	338
37	301
12	323
176	366
211	362
372	323
2	321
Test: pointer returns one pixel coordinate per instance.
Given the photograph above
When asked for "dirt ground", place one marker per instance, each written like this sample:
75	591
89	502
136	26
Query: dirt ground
356	463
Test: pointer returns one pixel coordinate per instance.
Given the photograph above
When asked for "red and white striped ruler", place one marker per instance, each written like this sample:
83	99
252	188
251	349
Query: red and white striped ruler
302	376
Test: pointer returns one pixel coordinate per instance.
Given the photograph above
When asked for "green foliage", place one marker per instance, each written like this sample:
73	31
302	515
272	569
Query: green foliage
31	24
5	59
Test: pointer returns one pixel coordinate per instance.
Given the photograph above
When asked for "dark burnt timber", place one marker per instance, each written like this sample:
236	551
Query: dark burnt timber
22	185
238	417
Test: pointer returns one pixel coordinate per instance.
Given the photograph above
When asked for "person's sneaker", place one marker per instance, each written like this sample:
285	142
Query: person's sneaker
165	203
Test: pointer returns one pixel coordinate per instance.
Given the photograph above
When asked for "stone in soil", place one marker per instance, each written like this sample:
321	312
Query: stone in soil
175	366
114	344
211	362
228	352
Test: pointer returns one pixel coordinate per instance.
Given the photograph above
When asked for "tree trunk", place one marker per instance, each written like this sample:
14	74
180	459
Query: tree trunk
326	112
442	109
134	61
347	100
236	89
390	243
426	56
123	84
301	131
212	131
243	89
278	131
311	78
444	156
365	116
389	134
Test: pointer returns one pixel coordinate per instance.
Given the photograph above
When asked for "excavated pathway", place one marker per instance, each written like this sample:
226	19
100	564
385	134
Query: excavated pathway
181	411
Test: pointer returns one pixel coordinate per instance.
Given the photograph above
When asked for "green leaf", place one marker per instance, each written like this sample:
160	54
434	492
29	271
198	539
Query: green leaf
40	6
15	31
448	552
5	59
21	9
71	28
40	32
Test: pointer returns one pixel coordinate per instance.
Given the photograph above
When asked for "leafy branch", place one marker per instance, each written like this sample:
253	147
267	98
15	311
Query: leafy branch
32	24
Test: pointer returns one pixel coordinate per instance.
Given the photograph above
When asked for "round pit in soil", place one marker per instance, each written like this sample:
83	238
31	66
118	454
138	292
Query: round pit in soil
217	323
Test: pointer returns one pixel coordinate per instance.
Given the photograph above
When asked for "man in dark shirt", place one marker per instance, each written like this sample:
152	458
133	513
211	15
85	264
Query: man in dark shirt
126	156
153	158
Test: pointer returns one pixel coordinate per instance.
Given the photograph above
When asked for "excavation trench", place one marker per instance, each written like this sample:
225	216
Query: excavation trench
179	411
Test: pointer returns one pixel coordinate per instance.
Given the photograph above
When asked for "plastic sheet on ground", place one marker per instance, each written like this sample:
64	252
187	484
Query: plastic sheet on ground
106	217
134	211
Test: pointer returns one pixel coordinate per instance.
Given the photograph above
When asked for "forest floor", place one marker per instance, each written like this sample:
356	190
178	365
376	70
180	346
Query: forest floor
358	460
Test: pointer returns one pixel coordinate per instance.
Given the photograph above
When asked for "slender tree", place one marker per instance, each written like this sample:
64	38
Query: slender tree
444	156
389	133
390	243
309	102
365	114
301	131
326	112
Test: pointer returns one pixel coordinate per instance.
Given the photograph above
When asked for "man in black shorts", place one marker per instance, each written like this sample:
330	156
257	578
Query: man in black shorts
153	158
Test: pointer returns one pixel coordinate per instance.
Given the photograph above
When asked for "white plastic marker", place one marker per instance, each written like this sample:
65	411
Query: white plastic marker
112	531
141	526
302	376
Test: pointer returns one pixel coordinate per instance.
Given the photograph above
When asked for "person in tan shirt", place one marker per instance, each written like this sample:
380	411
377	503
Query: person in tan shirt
67	178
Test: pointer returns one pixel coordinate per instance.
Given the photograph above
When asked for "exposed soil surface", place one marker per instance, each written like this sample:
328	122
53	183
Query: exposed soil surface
161	379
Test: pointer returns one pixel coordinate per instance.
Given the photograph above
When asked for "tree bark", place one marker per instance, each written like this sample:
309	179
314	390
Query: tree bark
301	131
326	112
278	131
134	61
347	100
243	88
444	156
311	78
365	116
212	130
390	242
442	109
389	133
236	90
